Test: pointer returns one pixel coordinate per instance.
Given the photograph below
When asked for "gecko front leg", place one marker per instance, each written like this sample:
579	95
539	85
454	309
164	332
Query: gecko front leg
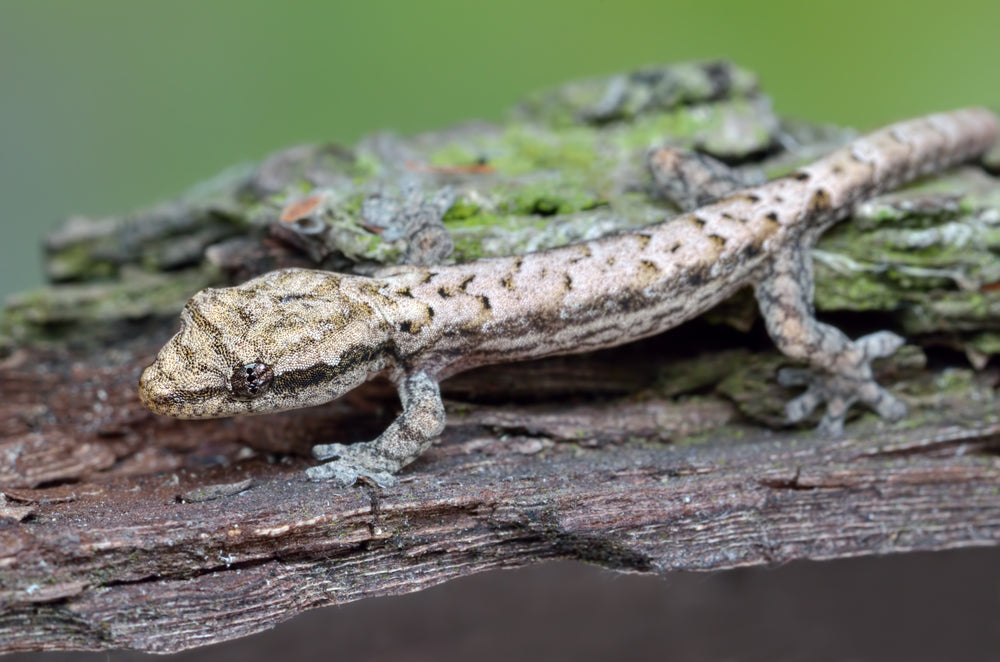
402	442
841	368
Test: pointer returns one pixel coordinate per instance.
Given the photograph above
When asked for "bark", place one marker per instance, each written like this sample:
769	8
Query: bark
120	529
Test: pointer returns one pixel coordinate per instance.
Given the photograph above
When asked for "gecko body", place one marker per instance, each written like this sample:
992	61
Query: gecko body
299	337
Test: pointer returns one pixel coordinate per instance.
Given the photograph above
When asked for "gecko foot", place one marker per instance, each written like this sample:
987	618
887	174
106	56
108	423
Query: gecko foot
840	391
347	464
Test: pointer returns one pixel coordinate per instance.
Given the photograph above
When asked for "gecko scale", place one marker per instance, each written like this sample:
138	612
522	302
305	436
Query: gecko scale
297	337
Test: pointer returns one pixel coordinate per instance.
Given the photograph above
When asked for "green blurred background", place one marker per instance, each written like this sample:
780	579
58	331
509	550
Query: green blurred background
106	105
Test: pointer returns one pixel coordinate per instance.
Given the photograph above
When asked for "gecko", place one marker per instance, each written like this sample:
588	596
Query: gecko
300	337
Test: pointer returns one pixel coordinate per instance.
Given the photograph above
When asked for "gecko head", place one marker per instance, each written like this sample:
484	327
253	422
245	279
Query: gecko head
285	340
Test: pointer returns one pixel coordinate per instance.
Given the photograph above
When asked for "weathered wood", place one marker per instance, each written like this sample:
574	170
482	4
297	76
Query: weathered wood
120	529
147	548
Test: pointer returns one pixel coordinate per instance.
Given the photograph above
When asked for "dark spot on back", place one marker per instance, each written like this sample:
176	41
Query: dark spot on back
772	216
696	278
406	327
443	293
584	253
568	282
718	240
649	266
801	176
738	197
700	222
465	283
485	301
820	201
507	282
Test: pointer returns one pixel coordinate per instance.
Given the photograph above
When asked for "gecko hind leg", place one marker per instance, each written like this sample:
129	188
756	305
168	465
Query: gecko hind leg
402	442
840	369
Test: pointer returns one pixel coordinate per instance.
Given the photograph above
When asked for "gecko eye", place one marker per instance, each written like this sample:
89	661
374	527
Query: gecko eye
251	380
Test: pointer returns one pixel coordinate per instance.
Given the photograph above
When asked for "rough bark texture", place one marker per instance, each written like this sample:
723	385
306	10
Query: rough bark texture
120	529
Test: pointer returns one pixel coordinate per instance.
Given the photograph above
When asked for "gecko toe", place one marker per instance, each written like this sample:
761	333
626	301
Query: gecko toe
333	472
831	425
840	393
800	407
345	474
346	464
328	451
879	344
887	405
795	377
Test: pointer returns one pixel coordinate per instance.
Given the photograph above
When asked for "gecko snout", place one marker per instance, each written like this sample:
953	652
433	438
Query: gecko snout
163	395
155	393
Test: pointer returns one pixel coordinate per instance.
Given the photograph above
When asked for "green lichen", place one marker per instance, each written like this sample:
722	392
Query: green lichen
351	205
749	386
558	196
649	90
362	245
985	343
855	291
463	209
524	150
706	127
85	309
953	312
954	380
78	262
681	126
480	219
697	373
478	236
454	154
364	167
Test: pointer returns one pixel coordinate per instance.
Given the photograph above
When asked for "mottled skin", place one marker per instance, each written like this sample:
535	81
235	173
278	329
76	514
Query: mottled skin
297	337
